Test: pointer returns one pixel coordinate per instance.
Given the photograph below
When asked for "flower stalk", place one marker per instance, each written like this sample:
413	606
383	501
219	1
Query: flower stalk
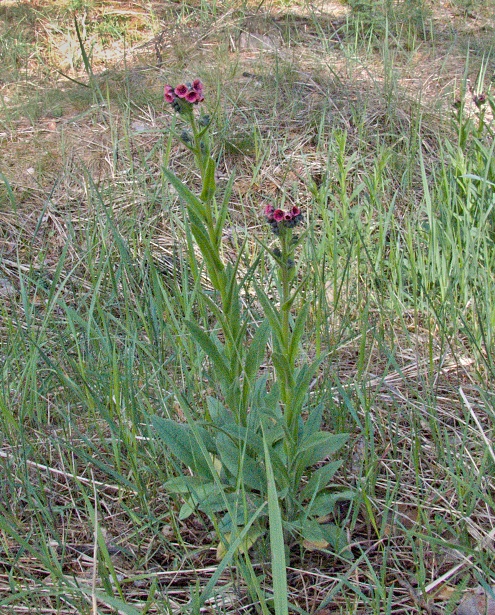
282	224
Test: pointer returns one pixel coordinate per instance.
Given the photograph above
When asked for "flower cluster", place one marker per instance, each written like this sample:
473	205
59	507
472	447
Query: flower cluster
279	219
191	93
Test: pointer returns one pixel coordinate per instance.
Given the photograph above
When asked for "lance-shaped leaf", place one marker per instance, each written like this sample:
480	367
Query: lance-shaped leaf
216	356
209	184
186	195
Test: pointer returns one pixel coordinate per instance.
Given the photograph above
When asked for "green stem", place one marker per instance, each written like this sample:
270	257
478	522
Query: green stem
287	380
230	322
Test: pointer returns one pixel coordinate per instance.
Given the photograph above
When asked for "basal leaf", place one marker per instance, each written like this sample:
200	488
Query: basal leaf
319	446
277	544
239	463
324	503
320	479
313	422
182	443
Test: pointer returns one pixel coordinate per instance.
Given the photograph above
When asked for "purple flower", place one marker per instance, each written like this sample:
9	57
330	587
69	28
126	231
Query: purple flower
169	93
269	209
278	219
181	90
192	96
184	93
197	86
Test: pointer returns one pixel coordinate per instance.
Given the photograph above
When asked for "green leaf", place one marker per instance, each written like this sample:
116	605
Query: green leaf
219	414
209	184
239	463
280	472
271	313
303	379
320	479
256	352
297	332
182	443
282	366
224	207
337	538
187	484
217	357
110	601
186	510
232	303
324	503
277	544
320	445
266	401
313	422
10	192
321	536
233	547
209	251
186	195
312	533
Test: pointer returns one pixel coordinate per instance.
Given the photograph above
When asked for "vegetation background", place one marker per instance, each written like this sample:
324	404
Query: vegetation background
367	114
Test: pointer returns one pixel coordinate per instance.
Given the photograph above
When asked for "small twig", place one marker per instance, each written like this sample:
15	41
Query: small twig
81	479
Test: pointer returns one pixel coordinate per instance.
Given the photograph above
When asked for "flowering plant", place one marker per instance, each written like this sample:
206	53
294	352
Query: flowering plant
251	444
191	93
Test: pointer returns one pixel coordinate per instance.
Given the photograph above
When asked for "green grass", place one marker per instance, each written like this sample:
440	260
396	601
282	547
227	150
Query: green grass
399	193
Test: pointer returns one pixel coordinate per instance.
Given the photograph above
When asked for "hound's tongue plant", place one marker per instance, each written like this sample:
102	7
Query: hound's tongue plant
255	464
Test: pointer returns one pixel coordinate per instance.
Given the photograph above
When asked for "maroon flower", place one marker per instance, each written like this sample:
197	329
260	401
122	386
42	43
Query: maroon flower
269	209
197	86
279	215
192	96
287	216
169	94
181	90
295	211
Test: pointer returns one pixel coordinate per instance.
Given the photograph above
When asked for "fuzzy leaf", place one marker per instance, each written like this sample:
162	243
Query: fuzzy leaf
282	366
298	331
182	443
252	536
277	545
313	422
216	356
271	313
256	351
324	503
320	445
301	387
224	206
209	185
320	479
186	195
237	461
208	250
